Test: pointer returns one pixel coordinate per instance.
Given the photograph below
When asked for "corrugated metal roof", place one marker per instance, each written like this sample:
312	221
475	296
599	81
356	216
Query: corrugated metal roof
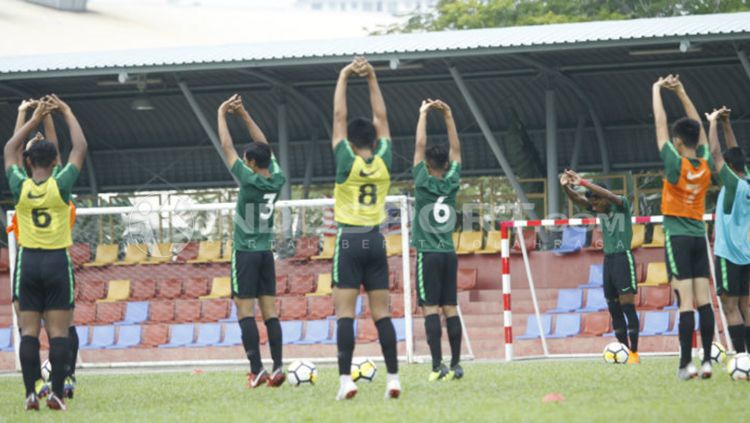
516	39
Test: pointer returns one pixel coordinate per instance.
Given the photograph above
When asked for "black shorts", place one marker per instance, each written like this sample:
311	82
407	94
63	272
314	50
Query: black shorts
687	257
360	259
436	278
44	280
253	274
732	279
619	275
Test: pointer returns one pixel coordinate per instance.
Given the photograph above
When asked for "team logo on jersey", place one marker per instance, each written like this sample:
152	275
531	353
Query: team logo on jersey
363	174
31	196
693	176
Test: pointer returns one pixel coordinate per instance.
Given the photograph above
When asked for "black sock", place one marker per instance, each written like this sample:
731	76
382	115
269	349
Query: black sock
345	344
633	325
618	321
434	333
687	325
251	341
274	341
706	316
58	359
73	342
455	334
30	362
387	335
747	338
737	333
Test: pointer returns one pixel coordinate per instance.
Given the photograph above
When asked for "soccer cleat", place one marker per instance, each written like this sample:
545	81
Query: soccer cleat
55	403
438	374
392	389
277	378
706	370
347	390
31	403
255	380
69	388
455	373
42	388
688	372
634	358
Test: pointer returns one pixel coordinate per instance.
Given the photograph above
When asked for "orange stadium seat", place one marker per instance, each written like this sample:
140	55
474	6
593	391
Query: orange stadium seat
187	311
597	240
168	289
214	310
529	239
655	297
366	331
154	335
397	305
493	244
80	253
301	284
467	279
281	285
109	312
4	260
160	253
134	254
208	251
106	254
118	290
656	274
639	236
323	285
143	290
469	242
84	314
306	248
657	238
188	252
319	307
329	245
293	308
221	287
595	324
161	311
92	290
195	287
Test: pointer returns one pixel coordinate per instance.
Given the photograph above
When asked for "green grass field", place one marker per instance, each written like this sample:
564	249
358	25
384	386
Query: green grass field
490	392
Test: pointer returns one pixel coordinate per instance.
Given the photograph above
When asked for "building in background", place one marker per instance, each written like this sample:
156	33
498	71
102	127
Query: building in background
392	7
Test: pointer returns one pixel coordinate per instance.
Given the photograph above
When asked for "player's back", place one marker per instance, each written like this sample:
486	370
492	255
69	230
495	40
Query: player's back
435	216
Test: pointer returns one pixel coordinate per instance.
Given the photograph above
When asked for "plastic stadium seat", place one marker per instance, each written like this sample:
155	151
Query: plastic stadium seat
454	237
640	272
655	323
232	314
316	332
154	335
467	279
567	325
128	337
306	248
397	305
596	277
301	284
83	335
4	260
672	306
187	311
208	251
595	301
135	312
188	252
109	312
102	337
80	253
529	240
359	305
281	285
676	326
143	290
367	332
469	242
195	287
493	244
399	325
292	331
324	285
180	336
293	308
209	334
597	240
232	335
568	300
221	287
656	274
134	254
226	253
655	297
6	339
91	291
84	313
393	245
169	289
161	311
329	245
106	254
657	238
573	240
639	236
119	290
214	310
595	324
532	328
319	307
160	253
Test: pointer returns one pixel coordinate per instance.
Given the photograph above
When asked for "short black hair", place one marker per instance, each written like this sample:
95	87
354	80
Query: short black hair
260	153
361	132
437	156
41	154
591	194
688	130
735	158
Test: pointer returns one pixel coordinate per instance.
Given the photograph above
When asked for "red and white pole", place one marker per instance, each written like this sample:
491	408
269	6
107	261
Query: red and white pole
507	313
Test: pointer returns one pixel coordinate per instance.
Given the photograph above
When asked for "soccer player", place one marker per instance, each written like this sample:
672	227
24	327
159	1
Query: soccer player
687	168
732	245
363	160
253	269
44	283
619	267
437	173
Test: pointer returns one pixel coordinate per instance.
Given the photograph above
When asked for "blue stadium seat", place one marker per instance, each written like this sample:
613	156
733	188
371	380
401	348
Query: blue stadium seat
596	277
136	312
6	339
83	335
676	327
180	336
102	337
573	240
595	301
316	332
209	335
232	315
232	335
359	306
128	337
400	326
673	306
567	325
532	328
292	331
568	300
657	323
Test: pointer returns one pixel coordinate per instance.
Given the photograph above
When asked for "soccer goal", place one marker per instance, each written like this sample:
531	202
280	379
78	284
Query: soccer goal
559	305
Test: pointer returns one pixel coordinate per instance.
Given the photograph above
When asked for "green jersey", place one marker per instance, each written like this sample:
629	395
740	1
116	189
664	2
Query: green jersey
617	228
253	221
674	225
435	214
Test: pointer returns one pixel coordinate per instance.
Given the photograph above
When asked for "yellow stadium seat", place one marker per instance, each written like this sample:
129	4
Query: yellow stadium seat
208	251
324	285
494	242
106	254
657	239
455	236
393	245
119	290
469	242
134	254
639	236
226	253
329	245
160	253
656	274
221	287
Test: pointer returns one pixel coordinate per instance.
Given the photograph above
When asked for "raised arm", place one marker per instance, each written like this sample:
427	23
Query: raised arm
77	139
675	85
421	138
227	145
51	135
574	196
256	133
600	191
340	112
453	141
713	138
379	113
13	151
22	109
660	115
727	126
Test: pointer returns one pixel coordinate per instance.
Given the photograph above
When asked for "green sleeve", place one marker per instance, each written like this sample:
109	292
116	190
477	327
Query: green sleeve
275	169
419	173
624	207
15	176
56	170
730	180
705	153
453	176
66	178
385	152
244	175
344	161
672	162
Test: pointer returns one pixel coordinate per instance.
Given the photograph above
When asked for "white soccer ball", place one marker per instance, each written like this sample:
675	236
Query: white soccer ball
616	353
302	373
46	370
363	369
718	353
739	367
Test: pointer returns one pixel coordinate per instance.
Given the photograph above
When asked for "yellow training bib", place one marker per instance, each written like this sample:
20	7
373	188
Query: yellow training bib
360	200
43	216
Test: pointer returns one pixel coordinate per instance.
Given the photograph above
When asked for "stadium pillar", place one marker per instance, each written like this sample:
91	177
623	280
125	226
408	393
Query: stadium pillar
286	191
577	142
91	174
742	55
491	139
307	180
553	187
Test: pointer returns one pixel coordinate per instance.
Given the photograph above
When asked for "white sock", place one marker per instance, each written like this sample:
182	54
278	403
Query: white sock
344	379
391	376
